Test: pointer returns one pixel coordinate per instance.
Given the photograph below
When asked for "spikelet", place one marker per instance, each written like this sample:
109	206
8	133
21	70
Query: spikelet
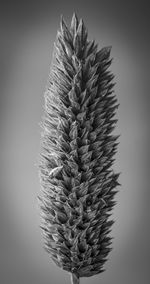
77	153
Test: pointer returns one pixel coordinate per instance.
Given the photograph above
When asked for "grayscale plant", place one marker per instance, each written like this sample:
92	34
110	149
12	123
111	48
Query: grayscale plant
77	154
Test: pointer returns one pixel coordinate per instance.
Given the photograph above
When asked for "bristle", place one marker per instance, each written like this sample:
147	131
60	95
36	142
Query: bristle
77	154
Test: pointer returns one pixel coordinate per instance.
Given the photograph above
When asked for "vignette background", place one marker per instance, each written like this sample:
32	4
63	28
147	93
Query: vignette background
28	31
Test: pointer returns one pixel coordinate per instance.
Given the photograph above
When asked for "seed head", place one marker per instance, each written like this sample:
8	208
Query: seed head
77	153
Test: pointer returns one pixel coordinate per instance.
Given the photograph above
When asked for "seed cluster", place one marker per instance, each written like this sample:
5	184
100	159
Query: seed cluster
78	183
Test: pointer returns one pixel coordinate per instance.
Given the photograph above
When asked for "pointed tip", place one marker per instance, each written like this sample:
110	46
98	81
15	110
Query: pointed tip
106	50
63	25
61	20
104	53
74	14
64	31
74	17
74	23
61	17
81	23
80	26
109	48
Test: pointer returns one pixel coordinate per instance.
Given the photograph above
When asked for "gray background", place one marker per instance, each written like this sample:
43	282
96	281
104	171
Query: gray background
28	30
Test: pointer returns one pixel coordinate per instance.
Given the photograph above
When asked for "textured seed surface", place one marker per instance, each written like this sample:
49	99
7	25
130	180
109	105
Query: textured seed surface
77	153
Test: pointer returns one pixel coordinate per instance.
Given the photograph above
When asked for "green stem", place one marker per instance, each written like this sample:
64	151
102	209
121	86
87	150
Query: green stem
74	278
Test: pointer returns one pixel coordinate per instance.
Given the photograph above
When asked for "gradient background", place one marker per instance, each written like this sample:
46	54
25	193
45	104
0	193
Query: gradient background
28	30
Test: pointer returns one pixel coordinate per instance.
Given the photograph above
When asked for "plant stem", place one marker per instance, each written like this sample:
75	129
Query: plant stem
74	278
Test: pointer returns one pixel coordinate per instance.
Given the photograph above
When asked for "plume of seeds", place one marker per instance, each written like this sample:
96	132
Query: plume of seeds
78	183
